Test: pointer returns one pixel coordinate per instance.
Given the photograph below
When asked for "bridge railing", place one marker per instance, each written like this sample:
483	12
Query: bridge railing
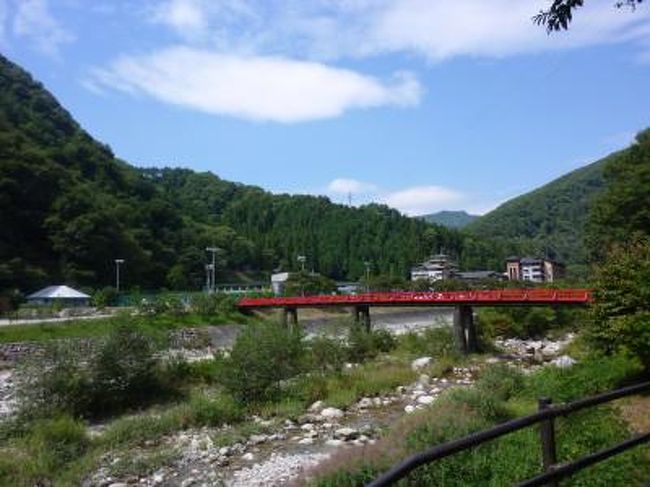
546	415
483	297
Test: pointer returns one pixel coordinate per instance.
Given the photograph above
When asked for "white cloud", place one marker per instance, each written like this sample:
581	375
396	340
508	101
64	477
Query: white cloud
434	29
345	186
34	21
420	200
253	87
182	15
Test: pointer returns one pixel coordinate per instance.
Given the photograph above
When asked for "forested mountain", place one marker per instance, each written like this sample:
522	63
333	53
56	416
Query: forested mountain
549	220
621	213
450	219
69	208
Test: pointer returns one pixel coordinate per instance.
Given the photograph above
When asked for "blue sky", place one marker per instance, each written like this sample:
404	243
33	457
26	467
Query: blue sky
421	104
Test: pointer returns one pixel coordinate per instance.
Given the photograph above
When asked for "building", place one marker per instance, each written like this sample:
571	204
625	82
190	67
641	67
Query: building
533	269
278	282
478	276
438	267
65	295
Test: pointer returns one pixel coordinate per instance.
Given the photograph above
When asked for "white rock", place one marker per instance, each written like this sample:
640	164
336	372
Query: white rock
420	363
564	362
306	441
424	379
223	451
346	433
307	427
365	402
316	407
334	442
426	399
331	413
249	457
409	409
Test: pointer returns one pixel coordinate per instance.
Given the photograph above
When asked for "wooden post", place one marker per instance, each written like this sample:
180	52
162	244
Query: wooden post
364	311
547	437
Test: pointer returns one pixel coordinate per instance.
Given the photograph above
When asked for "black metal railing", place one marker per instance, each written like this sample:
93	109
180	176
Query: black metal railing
545	415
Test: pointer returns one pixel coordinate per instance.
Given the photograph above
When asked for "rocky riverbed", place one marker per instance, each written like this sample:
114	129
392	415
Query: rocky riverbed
280	450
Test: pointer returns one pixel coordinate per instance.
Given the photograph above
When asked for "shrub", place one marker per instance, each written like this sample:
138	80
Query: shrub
363	345
501	380
214	411
104	297
326	354
97	380
56	383
52	443
435	342
263	356
123	373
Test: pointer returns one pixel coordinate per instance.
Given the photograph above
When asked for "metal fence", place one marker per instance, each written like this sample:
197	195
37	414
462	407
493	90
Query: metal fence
553	472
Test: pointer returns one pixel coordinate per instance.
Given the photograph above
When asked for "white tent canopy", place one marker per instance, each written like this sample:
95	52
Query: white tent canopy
58	292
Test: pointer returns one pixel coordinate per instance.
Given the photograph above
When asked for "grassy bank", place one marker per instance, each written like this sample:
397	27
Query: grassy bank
502	394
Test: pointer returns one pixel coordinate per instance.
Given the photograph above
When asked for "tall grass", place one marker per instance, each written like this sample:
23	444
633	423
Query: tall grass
514	457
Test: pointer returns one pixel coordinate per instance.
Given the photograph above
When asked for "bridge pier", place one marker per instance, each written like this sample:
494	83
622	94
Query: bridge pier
465	329
290	316
362	316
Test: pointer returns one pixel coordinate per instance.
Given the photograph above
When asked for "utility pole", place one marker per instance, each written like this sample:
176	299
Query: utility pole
118	262
213	267
367	264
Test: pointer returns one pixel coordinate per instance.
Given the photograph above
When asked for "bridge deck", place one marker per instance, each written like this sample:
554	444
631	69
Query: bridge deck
498	297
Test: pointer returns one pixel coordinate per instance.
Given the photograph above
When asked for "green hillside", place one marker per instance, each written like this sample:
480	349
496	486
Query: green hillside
551	219
450	219
69	208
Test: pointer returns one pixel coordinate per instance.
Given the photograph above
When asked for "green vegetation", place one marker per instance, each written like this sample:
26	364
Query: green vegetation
551	219
450	219
620	316
622	212
502	393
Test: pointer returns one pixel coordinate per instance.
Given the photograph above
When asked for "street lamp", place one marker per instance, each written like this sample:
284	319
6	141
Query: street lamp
367	265
302	259
213	266
118	262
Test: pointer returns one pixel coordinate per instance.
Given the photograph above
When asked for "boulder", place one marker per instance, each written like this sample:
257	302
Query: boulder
420	363
426	399
564	362
346	434
331	413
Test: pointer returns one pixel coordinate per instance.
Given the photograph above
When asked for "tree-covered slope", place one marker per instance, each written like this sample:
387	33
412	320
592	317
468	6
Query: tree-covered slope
550	220
450	219
69	208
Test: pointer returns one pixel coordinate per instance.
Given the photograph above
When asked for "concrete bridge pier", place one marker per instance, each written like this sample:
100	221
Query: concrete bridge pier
362	316
290	316
465	329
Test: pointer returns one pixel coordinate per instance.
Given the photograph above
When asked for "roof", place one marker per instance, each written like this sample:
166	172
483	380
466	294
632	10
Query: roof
58	292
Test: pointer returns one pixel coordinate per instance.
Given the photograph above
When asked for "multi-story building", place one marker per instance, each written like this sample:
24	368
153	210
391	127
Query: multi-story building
438	267
533	269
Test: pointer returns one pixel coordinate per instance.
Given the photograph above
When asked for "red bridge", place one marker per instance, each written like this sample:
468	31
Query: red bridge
503	297
462	301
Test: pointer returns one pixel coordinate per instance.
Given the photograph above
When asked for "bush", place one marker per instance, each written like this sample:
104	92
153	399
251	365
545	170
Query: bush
54	384
104	297
501	380
124	372
435	342
363	345
53	443
263	356
207	305
97	380
326	354
620	315
215	411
